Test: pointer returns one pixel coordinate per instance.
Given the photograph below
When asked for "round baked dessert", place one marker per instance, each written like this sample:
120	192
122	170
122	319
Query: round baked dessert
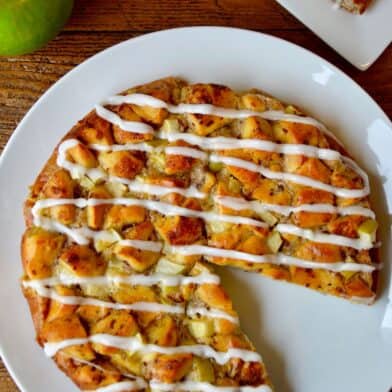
148	191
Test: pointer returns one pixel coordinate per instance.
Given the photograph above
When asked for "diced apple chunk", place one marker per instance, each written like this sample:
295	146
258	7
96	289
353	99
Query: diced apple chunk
201	329
367	230
202	370
274	241
165	266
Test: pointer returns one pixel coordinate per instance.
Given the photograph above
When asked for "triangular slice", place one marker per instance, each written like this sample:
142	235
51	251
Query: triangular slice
151	185
173	329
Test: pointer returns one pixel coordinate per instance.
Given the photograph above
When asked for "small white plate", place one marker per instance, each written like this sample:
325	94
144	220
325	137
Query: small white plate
360	39
310	342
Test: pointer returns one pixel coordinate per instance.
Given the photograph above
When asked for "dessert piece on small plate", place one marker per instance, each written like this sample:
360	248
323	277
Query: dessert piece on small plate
150	188
354	6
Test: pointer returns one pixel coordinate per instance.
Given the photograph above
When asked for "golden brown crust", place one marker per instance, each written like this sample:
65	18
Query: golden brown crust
46	254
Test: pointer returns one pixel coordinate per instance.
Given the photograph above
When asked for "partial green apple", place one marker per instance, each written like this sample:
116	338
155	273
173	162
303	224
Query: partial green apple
27	25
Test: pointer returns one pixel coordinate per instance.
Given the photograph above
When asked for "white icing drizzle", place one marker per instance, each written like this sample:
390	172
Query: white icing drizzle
80	235
138	186
76	170
94	365
52	348
130	376
191	311
236	203
316	236
212	313
179	386
159	190
123	386
130	126
295	178
187	152
279	258
207	109
206	387
223	143
97	173
76	300
146	100
115	386
121	147
158	206
232	161
226	143
136	279
152	246
135	344
299	179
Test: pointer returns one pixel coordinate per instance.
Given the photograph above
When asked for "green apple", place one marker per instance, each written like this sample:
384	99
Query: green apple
27	25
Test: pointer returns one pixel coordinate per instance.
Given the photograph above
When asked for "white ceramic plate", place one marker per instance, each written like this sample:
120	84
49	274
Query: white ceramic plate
360	39
311	343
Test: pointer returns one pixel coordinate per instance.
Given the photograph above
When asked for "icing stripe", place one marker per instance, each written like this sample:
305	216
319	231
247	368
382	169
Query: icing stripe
223	143
158	190
212	313
78	170
198	386
190	311
152	246
137	186
130	126
80	235
123	386
158	206
316	236
206	387
237	203
75	169
122	147
207	109
248	165
295	178
179	386
74	300
134	344
187	152
299	179
137	279
279	258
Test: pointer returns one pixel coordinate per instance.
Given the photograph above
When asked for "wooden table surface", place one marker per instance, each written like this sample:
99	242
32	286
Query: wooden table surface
98	24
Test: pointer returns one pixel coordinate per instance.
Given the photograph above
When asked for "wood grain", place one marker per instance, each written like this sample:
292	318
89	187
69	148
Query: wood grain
98	24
